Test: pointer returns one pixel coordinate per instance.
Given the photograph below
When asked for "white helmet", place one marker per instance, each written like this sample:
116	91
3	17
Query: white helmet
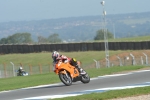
55	54
20	68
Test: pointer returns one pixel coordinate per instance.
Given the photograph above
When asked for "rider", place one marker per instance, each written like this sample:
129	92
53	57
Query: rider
56	55
20	70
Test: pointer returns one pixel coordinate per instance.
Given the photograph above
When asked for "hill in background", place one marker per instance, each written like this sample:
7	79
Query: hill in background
81	28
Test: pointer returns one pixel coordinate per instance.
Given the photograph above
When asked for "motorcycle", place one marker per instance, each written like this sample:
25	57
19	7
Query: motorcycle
68	73
23	73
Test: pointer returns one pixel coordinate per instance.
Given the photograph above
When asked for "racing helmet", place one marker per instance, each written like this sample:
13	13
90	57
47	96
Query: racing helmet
20	68
55	54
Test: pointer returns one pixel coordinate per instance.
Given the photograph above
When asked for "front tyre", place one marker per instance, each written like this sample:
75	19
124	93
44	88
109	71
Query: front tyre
85	78
65	78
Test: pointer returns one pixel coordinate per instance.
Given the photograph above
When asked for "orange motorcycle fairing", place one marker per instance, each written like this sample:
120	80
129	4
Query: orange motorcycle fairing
63	67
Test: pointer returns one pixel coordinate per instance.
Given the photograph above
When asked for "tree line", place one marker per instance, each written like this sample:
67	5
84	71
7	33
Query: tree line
26	38
54	38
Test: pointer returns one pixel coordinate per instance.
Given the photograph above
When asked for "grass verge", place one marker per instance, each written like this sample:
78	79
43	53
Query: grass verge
111	94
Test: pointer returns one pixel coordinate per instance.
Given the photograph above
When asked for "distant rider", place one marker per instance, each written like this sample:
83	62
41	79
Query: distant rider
65	59
20	70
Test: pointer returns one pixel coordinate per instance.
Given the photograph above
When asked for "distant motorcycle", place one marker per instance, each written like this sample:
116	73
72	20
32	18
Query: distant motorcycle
23	73
68	73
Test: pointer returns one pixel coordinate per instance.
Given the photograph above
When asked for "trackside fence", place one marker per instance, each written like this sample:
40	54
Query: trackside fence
69	47
124	62
6	70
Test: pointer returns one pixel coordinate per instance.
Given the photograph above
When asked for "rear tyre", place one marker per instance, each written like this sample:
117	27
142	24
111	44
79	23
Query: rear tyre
66	79
85	78
18	74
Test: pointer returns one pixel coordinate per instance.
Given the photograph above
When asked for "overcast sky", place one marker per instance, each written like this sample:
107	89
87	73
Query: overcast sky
22	10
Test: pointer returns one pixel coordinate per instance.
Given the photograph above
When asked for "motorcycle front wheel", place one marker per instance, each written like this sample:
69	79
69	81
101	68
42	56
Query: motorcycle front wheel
65	78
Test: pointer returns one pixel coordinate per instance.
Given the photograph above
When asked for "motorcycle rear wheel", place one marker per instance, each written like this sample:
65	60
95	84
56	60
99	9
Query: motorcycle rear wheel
85	78
66	80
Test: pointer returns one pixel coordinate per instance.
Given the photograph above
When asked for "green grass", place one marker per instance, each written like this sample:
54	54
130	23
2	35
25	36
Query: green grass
111	94
27	81
45	58
134	39
93	72
129	39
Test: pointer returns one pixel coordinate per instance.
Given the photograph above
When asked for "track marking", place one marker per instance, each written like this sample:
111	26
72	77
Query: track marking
85	92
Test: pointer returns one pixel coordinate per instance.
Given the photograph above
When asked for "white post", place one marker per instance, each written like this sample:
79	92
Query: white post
141	60
97	63
105	36
120	61
13	68
146	58
133	60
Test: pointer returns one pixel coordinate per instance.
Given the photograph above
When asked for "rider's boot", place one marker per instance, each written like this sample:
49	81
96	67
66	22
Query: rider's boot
81	71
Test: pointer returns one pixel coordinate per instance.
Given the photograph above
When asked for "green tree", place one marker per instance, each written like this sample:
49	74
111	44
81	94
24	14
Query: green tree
17	38
100	35
3	41
54	38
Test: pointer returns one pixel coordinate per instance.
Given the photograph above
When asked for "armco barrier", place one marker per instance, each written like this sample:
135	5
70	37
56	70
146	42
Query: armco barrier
69	47
96	46
123	45
145	44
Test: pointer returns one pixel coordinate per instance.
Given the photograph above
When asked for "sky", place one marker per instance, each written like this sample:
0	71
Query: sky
25	10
